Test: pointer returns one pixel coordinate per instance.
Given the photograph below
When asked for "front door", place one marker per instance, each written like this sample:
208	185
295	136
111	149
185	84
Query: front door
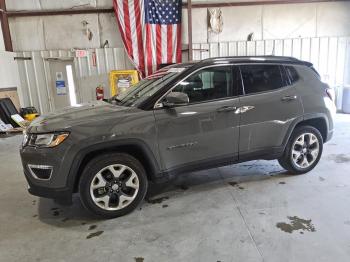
267	109
204	131
63	84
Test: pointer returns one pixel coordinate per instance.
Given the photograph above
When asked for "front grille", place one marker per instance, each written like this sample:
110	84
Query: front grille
40	171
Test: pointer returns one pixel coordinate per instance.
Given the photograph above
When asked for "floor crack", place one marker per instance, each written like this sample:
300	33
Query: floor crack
244	220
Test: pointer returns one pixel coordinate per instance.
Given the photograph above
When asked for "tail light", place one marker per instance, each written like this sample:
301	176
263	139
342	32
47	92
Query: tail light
330	93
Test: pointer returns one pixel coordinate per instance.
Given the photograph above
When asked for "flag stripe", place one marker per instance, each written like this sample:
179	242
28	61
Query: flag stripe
164	29
127	27
120	17
174	36
158	44
170	44
153	46
138	19
133	32
178	44
151	32
149	49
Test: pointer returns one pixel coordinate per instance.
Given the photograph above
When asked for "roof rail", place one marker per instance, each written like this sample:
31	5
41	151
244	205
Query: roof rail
268	58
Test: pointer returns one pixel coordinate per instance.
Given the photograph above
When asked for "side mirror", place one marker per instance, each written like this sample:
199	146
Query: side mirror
176	99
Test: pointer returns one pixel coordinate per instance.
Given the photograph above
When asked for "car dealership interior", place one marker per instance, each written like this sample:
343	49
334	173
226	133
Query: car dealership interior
175	130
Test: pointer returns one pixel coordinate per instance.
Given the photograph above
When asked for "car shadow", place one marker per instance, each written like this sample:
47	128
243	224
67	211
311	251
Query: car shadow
58	215
193	180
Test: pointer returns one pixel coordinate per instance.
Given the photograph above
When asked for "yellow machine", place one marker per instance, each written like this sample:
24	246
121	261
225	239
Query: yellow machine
121	80
30	117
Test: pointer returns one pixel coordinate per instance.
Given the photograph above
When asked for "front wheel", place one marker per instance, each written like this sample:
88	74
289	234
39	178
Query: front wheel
303	150
113	185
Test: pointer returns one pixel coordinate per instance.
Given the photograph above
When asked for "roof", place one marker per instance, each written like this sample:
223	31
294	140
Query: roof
256	59
240	59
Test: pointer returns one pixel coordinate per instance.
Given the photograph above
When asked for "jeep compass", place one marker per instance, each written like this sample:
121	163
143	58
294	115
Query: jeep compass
185	117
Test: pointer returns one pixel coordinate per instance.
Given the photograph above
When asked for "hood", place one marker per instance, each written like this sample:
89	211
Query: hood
76	115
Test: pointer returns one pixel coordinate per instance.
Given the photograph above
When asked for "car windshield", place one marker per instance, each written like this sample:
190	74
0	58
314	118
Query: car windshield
146	87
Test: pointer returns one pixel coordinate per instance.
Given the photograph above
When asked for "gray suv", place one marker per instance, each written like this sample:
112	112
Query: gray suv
183	118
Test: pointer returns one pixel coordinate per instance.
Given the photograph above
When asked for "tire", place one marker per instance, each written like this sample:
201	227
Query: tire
297	164
113	185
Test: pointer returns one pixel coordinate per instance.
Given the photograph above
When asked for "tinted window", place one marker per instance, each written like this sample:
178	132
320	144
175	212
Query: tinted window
147	87
261	78
207	84
292	73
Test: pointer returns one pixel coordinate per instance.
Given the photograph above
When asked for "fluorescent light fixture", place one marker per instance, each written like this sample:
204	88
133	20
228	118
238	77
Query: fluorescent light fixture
71	86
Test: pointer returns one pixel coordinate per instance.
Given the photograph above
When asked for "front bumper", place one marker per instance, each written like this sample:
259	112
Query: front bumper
57	185
62	194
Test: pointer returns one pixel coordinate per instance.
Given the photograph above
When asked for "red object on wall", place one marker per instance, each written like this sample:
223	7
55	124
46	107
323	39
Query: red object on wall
94	60
99	93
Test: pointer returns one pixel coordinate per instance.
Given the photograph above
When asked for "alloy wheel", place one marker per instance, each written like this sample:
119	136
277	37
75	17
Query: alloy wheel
305	150
114	187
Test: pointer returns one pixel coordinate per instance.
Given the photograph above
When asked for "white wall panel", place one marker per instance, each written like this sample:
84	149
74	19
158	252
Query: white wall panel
328	54
104	3
240	21
265	21
8	70
19	5
289	21
2	44
65	32
35	78
184	29
333	19
109	30
27	33
199	25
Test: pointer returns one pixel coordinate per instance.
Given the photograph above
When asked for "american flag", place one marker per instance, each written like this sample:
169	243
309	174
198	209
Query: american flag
151	32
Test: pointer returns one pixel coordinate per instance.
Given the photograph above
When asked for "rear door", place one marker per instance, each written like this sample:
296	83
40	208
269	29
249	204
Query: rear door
205	131
267	108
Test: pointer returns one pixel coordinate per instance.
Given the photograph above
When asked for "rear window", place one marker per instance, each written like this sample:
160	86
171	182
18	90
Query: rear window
261	78
292	74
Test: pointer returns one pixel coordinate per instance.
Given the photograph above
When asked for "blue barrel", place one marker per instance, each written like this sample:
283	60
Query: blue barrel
346	99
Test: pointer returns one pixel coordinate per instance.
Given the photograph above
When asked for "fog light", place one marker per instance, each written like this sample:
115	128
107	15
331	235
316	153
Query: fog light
40	172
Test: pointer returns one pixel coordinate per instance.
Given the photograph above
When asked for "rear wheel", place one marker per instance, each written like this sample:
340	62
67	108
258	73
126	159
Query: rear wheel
303	150
113	185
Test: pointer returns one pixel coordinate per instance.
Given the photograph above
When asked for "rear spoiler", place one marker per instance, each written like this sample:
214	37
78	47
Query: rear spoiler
311	66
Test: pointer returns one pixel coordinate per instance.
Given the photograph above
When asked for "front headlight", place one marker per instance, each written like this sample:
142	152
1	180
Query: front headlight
44	140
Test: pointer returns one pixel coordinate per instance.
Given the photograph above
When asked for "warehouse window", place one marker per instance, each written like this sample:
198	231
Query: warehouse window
207	84
71	86
261	78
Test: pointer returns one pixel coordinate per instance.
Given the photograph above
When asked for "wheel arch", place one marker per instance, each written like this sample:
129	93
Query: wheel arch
133	147
318	121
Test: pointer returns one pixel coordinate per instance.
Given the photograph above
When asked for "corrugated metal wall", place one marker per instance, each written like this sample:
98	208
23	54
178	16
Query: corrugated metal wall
328	54
36	80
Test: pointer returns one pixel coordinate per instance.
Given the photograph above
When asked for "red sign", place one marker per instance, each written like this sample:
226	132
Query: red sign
81	53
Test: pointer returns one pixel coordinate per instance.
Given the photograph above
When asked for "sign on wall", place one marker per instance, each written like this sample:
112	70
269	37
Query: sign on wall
61	88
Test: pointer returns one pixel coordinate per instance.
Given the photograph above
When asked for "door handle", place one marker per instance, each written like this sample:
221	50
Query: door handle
288	98
226	109
244	109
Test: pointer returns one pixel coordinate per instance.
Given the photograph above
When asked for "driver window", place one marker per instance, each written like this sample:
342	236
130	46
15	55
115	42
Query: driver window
207	84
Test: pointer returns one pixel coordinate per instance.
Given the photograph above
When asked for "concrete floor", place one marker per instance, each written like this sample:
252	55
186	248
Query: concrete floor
203	216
